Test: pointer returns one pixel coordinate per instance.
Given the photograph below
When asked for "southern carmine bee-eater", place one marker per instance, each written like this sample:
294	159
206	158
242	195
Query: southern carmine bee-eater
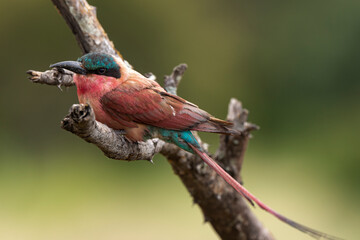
124	99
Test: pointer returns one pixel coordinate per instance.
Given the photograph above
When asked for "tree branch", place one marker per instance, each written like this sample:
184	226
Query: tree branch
81	121
82	20
222	206
56	76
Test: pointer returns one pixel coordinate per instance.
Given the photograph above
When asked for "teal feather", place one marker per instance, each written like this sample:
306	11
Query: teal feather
93	61
181	139
101	64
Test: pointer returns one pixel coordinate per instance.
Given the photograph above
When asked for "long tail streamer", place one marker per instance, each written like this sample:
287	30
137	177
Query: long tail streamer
250	197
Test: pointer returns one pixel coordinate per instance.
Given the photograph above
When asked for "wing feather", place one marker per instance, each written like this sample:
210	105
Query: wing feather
147	103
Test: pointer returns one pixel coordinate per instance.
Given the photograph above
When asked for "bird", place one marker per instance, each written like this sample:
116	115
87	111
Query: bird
124	99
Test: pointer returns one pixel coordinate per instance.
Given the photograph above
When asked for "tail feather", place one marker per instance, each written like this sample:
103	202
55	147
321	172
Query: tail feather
221	122
215	125
251	198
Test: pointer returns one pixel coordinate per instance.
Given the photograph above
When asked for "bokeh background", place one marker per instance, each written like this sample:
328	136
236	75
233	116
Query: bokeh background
293	64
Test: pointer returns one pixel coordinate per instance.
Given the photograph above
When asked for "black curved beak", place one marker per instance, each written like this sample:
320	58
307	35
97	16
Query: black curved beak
73	66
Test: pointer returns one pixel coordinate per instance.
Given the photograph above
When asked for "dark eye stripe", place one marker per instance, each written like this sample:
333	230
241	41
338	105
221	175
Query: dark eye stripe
101	70
101	64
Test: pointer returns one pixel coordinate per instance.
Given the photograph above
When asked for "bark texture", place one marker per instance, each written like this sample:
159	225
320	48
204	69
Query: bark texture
223	207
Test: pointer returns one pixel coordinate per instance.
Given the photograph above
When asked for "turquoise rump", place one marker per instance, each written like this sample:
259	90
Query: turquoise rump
181	139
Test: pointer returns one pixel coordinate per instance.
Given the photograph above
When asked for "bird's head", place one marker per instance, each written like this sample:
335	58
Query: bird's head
93	63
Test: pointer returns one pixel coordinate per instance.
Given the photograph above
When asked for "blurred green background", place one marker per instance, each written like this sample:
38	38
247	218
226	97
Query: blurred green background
293	64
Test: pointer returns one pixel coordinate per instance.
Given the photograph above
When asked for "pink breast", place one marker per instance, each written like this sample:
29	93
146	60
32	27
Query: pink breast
90	89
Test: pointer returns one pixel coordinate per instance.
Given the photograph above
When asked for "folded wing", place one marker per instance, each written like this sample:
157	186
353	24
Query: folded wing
147	103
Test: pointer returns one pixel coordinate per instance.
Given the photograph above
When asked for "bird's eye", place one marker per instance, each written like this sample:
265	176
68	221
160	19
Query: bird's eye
101	70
